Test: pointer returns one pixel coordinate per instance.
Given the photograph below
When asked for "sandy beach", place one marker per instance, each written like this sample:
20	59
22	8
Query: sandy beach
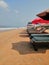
15	49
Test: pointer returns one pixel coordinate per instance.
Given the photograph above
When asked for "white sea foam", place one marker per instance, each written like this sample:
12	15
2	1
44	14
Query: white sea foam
4	29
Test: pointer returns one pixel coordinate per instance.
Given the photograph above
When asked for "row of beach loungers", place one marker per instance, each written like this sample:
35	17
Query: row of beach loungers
37	32
38	35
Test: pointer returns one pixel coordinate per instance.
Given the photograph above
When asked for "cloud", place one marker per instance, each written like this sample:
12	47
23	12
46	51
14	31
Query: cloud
16	11
3	4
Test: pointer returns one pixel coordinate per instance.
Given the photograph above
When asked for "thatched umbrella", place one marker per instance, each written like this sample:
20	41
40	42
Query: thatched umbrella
44	15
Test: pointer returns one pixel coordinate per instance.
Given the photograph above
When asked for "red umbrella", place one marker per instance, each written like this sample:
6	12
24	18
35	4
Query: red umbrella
40	20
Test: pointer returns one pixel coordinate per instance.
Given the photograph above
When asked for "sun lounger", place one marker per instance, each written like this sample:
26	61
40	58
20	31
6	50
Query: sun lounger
30	27
38	39
38	35
45	25
31	31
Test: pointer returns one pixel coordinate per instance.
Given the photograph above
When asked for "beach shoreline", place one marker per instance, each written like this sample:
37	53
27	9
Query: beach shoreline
11	28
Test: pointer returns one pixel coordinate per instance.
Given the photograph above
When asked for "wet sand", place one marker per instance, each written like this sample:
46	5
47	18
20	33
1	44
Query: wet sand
15	49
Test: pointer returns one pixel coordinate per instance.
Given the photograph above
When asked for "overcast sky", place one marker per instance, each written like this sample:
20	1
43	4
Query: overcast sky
19	12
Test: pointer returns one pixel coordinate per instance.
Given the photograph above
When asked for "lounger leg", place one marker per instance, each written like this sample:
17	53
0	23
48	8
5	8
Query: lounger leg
35	48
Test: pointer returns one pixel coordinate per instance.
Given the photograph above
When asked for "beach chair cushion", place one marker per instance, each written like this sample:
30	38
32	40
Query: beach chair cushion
38	35
40	39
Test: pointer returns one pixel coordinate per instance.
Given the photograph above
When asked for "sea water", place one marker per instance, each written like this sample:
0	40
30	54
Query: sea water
9	28
5	29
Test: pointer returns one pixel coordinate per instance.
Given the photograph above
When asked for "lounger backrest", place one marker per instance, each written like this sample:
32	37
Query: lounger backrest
42	30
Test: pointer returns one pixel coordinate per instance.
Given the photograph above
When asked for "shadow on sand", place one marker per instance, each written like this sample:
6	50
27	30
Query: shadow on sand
27	48
24	35
24	32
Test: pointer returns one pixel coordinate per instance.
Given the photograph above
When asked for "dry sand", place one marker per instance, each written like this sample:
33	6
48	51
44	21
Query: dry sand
15	49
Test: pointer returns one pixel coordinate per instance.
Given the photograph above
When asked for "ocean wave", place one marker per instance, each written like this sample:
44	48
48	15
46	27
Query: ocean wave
4	29
11	28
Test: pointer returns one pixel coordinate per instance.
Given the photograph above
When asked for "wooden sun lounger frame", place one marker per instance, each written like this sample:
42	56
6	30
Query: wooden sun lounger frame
32	31
36	43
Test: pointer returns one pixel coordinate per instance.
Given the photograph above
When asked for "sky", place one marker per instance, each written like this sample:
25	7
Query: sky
19	12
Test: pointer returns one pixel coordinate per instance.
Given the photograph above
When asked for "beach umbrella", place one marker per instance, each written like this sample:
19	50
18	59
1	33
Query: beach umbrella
43	18
44	15
40	21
